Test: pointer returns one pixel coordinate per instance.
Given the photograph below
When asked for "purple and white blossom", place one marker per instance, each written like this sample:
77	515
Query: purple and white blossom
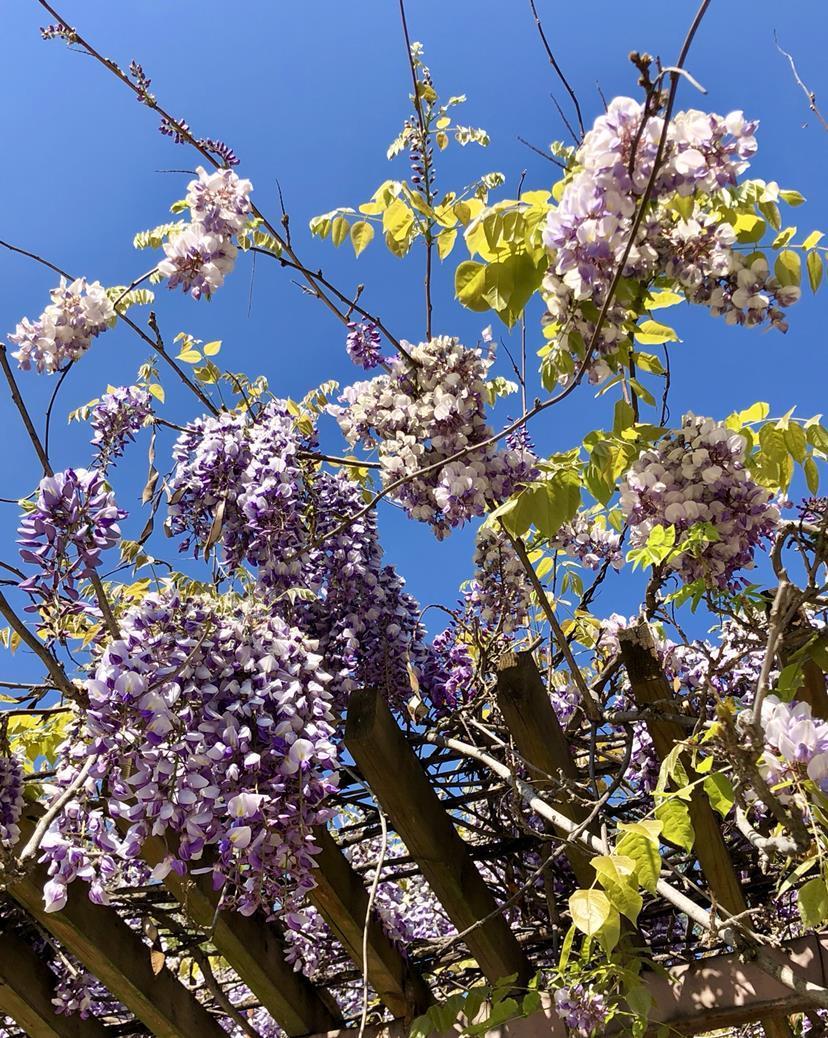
581	1008
697	474
197	260
219	201
364	344
11	800
79	311
116	418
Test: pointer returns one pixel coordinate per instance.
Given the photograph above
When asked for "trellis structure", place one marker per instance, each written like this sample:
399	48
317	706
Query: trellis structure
716	991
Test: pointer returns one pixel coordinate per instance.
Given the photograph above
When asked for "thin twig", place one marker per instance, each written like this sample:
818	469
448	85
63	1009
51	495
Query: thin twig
805	89
557	67
372	896
54	809
40	450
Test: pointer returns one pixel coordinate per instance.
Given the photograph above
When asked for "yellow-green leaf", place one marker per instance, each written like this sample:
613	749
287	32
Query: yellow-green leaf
813	901
662	299
720	793
814	238
815	266
652	333
788	268
362	234
470	284
749	228
674	814
189	356
445	242
397	220
157	391
339	230
212	348
590	910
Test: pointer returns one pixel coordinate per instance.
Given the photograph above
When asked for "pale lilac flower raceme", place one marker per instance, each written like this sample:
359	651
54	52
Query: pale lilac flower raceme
697	474
202	254
588	232
11	800
796	742
116	418
422	416
364	344
499	594
591	541
79	311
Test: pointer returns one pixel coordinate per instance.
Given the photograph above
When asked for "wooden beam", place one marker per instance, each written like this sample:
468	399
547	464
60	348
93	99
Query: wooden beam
533	725
718	992
341	897
254	949
27	987
117	956
402	788
651	689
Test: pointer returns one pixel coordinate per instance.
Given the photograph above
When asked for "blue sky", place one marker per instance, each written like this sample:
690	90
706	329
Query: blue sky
311	94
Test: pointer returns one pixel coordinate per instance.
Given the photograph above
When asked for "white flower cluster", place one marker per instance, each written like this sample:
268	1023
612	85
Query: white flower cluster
421	414
591	541
201	255
79	311
796	743
695	475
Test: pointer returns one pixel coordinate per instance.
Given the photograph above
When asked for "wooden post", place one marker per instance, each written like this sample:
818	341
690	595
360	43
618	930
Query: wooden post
116	955
342	899
527	710
402	788
255	951
27	986
651	689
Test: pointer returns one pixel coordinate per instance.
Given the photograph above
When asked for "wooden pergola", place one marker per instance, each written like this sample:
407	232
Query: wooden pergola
725	988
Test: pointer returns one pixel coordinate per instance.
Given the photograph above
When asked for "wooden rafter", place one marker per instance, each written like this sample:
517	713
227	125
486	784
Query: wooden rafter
399	783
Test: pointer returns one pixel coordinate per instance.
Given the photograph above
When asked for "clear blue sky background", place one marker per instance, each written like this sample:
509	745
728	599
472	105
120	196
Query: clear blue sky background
311	93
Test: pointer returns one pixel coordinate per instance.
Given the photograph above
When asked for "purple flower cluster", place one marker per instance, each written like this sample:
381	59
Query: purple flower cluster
281	517
694	475
591	541
78	992
116	418
422	415
565	699
200	256
211	725
582	1009
74	520
796	743
448	672
364	344
64	331
588	233
499	593
11	801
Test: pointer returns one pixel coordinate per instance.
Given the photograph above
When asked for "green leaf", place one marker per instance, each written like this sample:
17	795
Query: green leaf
362	234
796	440
813	261
652	333
719	790
813	901
470	284
648	362
813	239
339	230
770	211
157	391
674	814
397	220
757	412
624	417
792	197
590	910
811	471
616	874
662	299
749	228
546	505
788	268
782	239
445	242
211	348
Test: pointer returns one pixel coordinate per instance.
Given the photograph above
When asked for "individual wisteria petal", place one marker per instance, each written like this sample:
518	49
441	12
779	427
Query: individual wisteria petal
79	311
420	417
116	418
697	474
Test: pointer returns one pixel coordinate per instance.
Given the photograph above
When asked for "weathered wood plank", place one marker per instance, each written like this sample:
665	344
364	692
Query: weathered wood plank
402	788
256	952
711	994
27	986
342	899
537	734
651	689
117	956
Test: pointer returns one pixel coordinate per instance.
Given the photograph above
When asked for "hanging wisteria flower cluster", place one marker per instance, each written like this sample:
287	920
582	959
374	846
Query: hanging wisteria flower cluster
589	231
212	723
582	1009
697	474
796	743
115	420
74	520
252	480
11	800
364	344
202	254
590	541
79	311
419	415
499	594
